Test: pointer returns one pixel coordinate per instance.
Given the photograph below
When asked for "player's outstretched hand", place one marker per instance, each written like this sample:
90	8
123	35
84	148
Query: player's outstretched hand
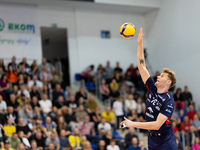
126	123
140	37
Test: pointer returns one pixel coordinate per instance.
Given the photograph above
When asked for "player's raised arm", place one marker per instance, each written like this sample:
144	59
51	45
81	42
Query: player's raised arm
140	58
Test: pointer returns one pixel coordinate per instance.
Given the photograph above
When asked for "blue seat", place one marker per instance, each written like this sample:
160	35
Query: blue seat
117	136
90	86
77	77
94	146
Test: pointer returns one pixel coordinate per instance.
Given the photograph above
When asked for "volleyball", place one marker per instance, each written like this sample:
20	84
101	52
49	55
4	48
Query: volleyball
127	30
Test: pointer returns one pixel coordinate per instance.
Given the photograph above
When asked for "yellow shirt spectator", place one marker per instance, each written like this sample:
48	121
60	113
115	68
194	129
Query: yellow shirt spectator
9	130
108	116
75	141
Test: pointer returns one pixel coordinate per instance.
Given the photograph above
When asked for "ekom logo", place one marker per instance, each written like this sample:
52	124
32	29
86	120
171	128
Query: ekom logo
2	24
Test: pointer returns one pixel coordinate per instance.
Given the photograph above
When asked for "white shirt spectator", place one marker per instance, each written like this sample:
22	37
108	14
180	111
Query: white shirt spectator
45	105
118	108
38	83
3	106
25	92
105	126
115	147
130	104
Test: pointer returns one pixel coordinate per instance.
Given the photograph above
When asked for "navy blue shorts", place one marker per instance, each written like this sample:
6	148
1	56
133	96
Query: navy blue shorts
163	142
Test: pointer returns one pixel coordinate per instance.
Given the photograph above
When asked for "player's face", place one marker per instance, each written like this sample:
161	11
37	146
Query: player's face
162	80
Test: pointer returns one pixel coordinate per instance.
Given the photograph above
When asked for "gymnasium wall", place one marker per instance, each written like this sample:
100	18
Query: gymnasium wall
173	41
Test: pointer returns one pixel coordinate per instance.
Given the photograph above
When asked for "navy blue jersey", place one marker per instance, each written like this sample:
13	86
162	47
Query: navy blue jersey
158	103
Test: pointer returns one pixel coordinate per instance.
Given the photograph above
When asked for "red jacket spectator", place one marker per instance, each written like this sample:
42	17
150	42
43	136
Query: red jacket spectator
185	125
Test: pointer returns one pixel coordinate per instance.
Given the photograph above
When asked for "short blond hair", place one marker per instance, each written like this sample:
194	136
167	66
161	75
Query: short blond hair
171	76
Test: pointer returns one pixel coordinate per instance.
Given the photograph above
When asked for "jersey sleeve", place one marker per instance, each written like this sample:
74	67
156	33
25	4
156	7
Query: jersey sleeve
168	108
149	83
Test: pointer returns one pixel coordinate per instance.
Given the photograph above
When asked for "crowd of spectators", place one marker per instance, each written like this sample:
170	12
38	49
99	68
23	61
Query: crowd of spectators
38	111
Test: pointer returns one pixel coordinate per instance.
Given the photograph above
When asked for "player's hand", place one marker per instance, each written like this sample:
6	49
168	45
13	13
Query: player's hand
126	122
140	37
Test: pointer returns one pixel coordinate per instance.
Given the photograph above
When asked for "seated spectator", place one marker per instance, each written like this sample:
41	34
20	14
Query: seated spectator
36	82
46	105
113	145
23	139
109	71
63	139
103	127
13	64
14	141
86	128
130	104
104	90
134	93
140	109
34	145
1	72
38	114
72	103
47	90
45	63
9	129
45	75
185	127
11	75
196	144
107	137
133	115
21	126
40	140
130	72
22	73
182	114
13	103
175	128
91	104
80	114
4	87
25	64
179	102
191	112
53	139
67	147
141	145
134	145
129	136
11	114
114	84
34	68
61	125
51	147
88	73
109	116
118	110
114	94
3	106
101	145
57	92
48	127
22	100
196	124
75	140
187	96
35	124
24	91
70	118
87	146
96	117
35	92
59	104
81	93
118	68
7	145
34	102
26	113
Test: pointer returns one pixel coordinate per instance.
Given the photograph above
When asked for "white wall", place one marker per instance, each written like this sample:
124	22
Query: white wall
173	41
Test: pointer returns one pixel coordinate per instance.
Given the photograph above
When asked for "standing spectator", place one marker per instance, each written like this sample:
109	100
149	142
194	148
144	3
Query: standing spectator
191	112
13	64
36	82
113	145
196	145
9	129
11	75
4	87
14	140
81	93
21	126
130	104
101	145
187	95
53	139
134	145
129	136
109	71
118	68
46	105
45	63
34	68
91	104
178	98
118	109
